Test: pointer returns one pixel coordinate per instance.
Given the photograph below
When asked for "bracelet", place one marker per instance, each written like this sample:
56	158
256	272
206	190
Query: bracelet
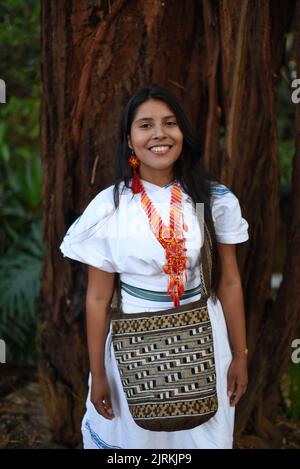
244	352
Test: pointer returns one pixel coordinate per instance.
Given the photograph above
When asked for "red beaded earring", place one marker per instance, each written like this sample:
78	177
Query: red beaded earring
136	183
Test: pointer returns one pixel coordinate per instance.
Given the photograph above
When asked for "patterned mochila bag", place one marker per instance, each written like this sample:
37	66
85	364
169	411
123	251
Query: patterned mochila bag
166	360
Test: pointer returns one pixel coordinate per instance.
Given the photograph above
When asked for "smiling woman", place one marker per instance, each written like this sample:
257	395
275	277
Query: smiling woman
164	375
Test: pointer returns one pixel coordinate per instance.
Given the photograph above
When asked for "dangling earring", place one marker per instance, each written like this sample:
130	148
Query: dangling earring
136	183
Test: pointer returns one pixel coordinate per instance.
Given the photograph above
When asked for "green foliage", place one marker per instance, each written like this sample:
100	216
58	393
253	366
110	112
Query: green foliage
21	198
20	45
285	122
21	248
294	407
286	154
20	191
20	270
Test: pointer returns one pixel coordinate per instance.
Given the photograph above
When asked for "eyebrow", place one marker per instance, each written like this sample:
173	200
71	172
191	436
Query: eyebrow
150	118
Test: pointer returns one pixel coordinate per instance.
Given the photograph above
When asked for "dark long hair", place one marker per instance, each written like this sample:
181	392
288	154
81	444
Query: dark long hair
194	178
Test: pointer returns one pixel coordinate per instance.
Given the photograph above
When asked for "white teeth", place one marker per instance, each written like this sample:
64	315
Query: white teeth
159	149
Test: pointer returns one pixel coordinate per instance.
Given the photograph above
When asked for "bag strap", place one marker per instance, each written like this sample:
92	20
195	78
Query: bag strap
206	264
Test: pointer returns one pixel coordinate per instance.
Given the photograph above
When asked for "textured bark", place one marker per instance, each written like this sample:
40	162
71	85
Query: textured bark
222	59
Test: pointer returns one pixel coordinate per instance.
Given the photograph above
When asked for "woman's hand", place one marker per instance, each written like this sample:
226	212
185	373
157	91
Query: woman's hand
100	396
237	379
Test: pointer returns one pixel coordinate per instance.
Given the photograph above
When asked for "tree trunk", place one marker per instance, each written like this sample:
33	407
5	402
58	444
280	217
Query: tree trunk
222	60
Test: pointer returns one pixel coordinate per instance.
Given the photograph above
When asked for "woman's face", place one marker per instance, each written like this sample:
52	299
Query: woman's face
155	138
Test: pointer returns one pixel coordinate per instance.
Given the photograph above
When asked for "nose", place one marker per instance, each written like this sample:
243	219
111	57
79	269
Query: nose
159	131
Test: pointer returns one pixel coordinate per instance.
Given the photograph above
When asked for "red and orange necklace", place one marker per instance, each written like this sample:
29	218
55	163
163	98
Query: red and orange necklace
170	237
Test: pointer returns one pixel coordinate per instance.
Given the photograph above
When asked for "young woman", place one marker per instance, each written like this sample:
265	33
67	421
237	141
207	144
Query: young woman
157	153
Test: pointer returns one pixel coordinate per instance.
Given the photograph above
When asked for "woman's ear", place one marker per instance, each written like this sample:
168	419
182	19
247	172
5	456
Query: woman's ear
129	141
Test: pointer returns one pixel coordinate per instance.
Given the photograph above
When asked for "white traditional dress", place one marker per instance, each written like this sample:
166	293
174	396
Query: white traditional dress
122	241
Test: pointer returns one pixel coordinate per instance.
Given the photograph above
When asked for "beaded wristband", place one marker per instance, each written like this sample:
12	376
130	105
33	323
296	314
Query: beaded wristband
244	352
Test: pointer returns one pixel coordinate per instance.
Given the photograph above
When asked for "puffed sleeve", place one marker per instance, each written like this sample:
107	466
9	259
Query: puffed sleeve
88	239
230	226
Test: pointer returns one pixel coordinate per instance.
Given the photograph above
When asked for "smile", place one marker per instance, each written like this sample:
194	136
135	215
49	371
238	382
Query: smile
161	149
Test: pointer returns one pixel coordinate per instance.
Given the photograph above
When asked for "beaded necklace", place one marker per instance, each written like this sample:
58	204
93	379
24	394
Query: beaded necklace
171	238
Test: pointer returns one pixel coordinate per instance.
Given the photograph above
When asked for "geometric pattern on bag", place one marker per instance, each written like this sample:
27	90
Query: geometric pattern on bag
166	361
167	369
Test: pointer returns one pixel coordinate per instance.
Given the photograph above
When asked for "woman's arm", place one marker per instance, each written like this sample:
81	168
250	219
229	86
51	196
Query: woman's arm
98	299
230	294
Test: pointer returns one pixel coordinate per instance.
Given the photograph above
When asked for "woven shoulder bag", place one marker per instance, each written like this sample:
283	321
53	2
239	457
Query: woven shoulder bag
166	360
